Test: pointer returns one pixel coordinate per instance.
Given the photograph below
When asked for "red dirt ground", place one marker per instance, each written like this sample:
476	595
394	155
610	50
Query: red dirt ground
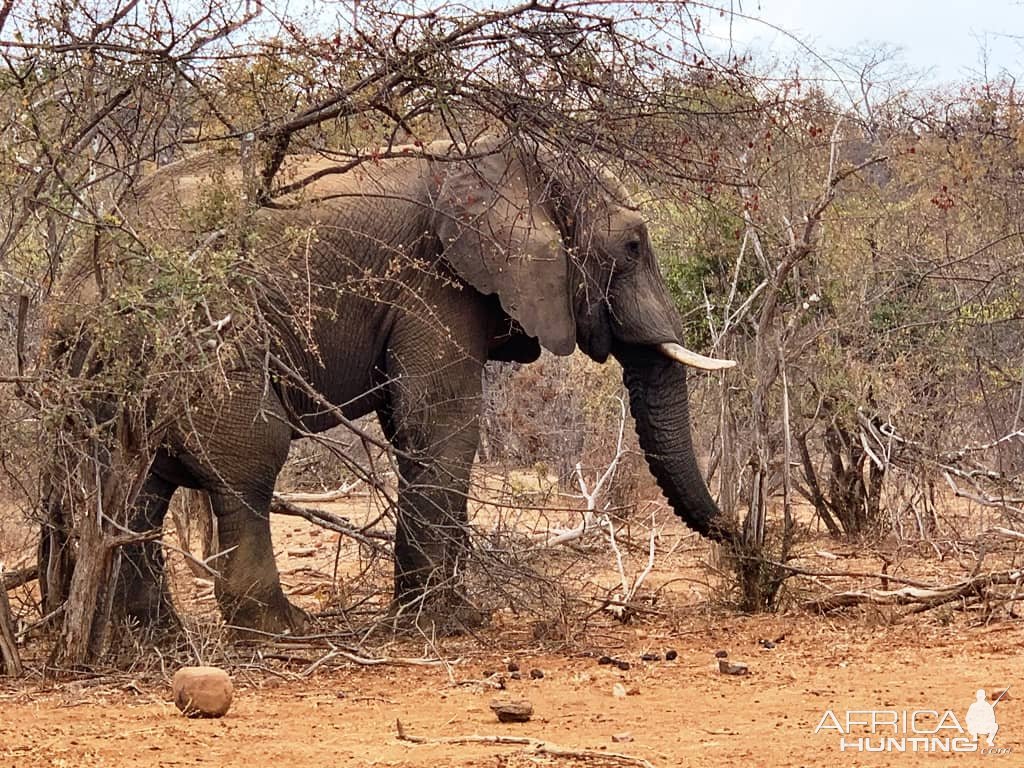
678	713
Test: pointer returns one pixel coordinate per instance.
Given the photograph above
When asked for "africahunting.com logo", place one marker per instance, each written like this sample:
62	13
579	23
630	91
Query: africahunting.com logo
917	730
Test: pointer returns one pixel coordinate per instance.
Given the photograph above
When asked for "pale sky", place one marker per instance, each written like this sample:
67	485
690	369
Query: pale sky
946	40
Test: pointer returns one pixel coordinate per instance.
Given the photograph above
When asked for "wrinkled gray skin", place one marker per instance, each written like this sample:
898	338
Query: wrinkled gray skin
421	271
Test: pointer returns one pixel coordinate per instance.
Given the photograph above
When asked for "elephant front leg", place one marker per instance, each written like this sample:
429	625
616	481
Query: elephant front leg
432	547
432	535
432	417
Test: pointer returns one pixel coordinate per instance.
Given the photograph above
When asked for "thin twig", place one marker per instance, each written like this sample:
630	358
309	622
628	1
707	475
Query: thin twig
537	746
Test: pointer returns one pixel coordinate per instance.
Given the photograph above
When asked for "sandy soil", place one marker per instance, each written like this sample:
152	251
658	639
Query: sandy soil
677	713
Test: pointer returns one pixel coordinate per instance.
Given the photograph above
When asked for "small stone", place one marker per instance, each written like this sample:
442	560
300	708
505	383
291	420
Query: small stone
737	668
619	691
671	655
621	738
605	660
512	710
721	654
513	667
651	657
202	691
766	645
623	665
537	674
516	675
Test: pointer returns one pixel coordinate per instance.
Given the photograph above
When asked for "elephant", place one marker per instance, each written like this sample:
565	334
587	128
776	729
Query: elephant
422	268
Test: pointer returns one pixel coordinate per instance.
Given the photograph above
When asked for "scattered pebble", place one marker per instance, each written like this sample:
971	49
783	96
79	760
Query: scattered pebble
513	667
721	654
737	668
619	691
605	660
623	665
671	654
512	710
766	645
202	691
536	674
621	738
517	675
651	657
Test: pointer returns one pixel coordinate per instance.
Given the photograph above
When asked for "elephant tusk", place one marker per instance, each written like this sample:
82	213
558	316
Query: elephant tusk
681	354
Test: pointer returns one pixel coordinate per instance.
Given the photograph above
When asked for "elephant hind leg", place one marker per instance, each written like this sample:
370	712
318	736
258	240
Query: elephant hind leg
249	587
142	583
240	451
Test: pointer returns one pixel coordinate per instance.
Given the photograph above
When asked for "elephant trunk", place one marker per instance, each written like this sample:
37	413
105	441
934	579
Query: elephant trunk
659	401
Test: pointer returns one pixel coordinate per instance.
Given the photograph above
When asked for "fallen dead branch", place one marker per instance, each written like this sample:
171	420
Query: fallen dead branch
536	746
323	497
19	577
923	597
375	661
330	521
883	577
619	604
350	653
1006	533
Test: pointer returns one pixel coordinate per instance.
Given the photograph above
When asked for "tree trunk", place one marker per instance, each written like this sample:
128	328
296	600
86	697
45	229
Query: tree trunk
10	661
82	632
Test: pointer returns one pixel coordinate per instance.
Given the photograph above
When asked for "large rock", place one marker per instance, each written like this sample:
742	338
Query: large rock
202	691
512	710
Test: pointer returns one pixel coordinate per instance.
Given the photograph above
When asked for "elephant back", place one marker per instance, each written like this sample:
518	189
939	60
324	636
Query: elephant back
186	200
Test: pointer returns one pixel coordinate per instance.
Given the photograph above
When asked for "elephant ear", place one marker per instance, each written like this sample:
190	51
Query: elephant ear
499	237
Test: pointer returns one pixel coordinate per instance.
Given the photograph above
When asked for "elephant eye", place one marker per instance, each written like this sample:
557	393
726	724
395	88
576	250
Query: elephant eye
633	248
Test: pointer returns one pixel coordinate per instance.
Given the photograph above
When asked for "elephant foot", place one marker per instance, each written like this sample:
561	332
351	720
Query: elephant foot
151	625
250	618
147	605
444	614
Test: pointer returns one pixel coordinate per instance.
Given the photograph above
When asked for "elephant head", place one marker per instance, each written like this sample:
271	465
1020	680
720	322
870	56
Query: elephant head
572	263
